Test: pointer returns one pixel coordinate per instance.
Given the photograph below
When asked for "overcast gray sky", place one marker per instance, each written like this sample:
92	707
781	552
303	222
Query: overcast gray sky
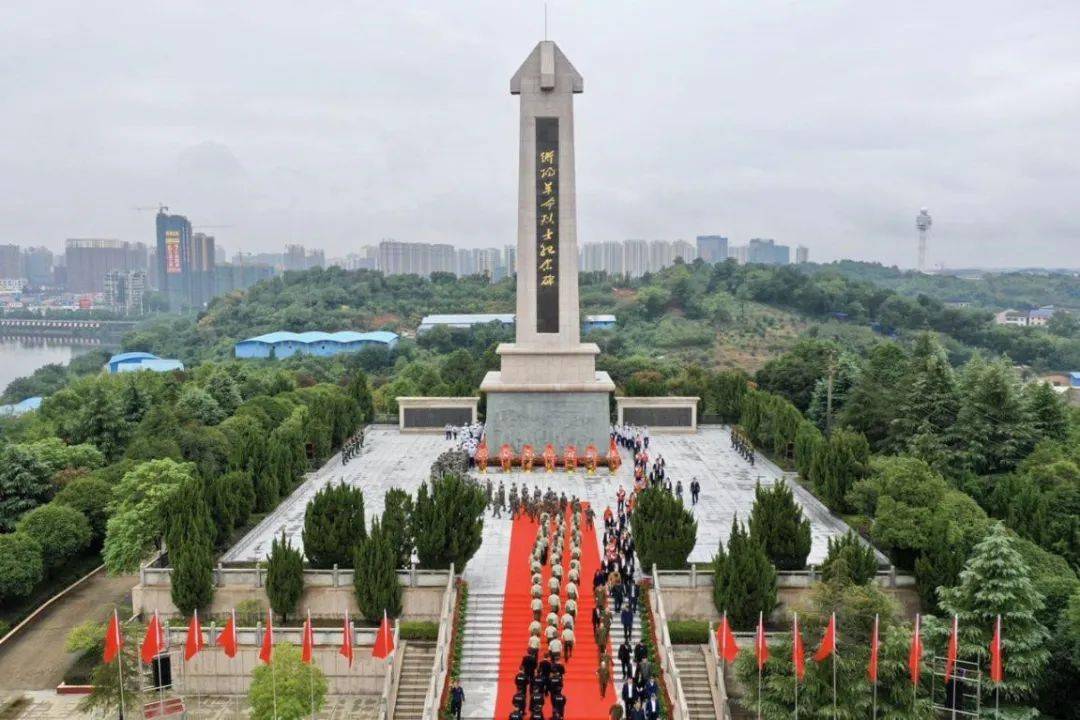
337	124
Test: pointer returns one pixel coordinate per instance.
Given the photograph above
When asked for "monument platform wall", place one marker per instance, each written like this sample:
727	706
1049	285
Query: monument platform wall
560	418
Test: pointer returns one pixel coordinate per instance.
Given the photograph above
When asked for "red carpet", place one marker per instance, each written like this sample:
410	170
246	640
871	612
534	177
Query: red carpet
581	686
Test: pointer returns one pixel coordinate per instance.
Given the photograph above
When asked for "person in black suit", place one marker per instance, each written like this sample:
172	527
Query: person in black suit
652	708
457	699
624	658
640	652
628	695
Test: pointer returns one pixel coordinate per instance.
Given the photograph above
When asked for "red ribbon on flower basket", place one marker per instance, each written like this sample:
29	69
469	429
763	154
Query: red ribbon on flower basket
528	457
549	457
506	457
570	458
481	457
613	458
590	459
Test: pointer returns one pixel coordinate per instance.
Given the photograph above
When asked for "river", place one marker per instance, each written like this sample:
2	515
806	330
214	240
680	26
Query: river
21	356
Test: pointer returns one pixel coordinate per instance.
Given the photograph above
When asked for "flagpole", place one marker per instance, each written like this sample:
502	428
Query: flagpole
160	674
236	698
835	652
119	661
198	644
876	640
914	682
311	670
273	673
794	644
761	639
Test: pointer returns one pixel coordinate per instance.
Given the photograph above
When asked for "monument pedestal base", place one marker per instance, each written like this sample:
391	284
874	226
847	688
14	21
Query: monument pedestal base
558	413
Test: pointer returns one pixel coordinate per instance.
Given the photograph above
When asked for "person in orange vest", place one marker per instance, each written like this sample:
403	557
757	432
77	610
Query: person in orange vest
608	517
621	497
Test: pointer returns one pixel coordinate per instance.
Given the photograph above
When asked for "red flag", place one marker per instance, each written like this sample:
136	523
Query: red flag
194	642
266	654
384	643
114	641
346	650
760	647
874	646
915	654
951	651
227	639
997	670
153	642
828	642
798	656
725	639
309	641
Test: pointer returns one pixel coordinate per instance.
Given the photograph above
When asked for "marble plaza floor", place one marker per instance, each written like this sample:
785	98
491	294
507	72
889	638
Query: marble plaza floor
393	459
47	705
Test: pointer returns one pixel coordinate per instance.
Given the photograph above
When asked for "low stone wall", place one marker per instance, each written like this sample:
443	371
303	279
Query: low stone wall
327	593
662	414
433	414
689	597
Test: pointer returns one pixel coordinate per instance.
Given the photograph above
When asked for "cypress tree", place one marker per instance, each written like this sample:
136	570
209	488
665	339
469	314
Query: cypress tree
190	535
807	441
360	391
284	577
397	523
665	531
375	579
448	521
996	581
837	465
1049	417
992	425
777	522
334	526
744	581
849	560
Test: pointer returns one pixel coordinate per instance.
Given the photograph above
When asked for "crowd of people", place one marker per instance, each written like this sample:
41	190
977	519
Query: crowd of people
468	438
352	446
742	445
631	437
615	579
540	676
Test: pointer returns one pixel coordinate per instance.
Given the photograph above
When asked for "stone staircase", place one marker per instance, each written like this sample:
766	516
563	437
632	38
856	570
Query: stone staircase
616	638
690	659
413	683
479	669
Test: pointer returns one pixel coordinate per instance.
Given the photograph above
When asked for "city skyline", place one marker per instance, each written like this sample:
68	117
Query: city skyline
780	134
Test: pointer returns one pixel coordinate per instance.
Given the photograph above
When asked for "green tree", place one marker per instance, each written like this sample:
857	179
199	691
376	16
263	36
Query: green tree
61	531
91	496
808	440
839	463
21	565
360	391
849	560
287	687
929	406
993	426
823	401
100	421
664	530
105	696
334	526
397	523
225	391
284	577
794	374
376	582
144	496
777	522
996	581
875	396
197	404
1045	408
189	537
24	484
744	581
448	521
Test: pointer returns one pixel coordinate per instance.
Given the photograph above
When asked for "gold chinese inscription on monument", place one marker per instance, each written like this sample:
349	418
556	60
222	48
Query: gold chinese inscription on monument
547	225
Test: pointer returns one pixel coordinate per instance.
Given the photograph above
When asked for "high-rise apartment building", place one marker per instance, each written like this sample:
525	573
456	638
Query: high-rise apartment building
402	258
125	292
11	267
86	260
636	257
765	251
738	253
686	251
174	258
802	254
660	255
510	259
201	273
712	248
38	266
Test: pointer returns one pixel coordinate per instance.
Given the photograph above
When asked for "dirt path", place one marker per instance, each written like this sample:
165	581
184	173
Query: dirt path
35	658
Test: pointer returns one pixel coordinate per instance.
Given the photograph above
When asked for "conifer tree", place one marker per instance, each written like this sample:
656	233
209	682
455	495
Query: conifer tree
360	391
929	405
872	403
1049	418
844	379
807	441
849	560
448	521
744	581
996	581
992	425
334	526
397	523
376	583
664	530
190	534
284	577
777	522
840	462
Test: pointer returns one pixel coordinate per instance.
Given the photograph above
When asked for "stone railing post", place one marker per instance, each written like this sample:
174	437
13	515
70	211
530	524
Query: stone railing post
219	576
892	576
258	575
336	580
693	575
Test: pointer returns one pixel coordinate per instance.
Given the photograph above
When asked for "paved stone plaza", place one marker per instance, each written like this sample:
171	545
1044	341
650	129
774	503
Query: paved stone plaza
47	705
394	459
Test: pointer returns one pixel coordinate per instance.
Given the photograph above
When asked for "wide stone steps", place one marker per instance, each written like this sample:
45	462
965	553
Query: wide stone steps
694	673
413	682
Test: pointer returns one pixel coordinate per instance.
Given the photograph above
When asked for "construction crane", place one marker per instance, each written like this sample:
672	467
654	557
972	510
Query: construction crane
159	207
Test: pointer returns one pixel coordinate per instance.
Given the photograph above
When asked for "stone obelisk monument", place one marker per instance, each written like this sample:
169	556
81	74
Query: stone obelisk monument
548	389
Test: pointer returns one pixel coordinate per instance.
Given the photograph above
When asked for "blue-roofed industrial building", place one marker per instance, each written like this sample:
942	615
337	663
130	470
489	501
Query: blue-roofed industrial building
467	320
322	344
132	361
1074	379
22	407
